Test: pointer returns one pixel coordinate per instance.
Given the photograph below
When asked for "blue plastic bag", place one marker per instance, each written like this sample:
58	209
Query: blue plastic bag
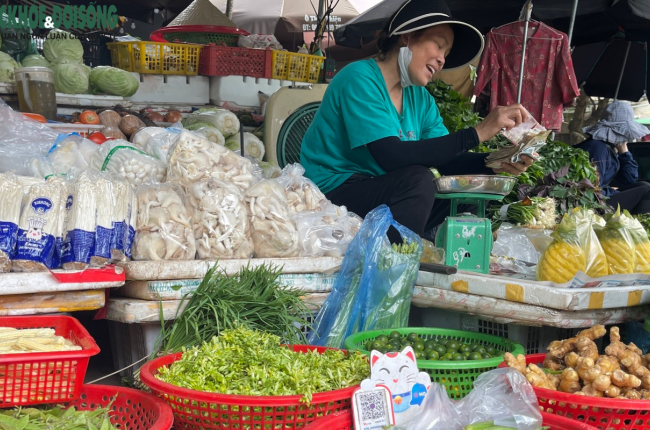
374	287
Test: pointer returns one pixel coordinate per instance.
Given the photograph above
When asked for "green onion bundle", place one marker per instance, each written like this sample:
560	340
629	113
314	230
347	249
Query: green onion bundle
532	212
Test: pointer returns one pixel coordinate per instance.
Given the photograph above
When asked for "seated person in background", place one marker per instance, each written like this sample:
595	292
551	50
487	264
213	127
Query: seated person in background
607	147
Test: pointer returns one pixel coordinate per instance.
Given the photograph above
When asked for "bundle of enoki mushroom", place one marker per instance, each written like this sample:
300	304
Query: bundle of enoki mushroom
575	366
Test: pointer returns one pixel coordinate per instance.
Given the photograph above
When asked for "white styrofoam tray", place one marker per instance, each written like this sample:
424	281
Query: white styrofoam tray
132	311
44	282
196	269
506	312
244	90
535	293
176	289
171	89
89	100
46	303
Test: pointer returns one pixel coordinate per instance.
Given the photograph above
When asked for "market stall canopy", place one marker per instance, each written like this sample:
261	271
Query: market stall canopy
295	16
202	12
598	67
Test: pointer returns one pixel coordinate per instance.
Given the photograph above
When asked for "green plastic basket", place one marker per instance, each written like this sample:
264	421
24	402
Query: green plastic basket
204	38
457	376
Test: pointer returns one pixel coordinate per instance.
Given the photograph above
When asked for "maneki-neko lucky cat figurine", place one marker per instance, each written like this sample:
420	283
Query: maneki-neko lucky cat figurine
399	373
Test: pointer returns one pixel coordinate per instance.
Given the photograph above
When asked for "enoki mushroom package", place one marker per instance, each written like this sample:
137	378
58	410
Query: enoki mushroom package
11	196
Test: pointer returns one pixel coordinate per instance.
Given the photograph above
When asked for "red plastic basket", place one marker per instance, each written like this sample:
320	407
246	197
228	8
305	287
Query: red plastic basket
45	377
131	409
226	61
199	410
343	421
601	413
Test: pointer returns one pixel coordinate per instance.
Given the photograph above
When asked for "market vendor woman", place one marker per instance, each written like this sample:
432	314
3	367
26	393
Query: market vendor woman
378	130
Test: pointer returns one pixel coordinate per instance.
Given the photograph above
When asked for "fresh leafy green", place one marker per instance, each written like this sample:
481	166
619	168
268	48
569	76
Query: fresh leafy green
61	46
8	67
113	81
70	78
254	298
252	363
56	418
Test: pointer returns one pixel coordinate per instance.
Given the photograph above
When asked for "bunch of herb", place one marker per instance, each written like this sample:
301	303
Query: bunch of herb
56	418
246	362
254	298
644	219
531	212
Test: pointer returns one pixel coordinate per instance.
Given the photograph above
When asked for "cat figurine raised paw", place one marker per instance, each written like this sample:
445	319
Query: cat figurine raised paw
398	371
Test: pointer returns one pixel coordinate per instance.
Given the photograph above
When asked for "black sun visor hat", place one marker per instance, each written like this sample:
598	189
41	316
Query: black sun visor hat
420	14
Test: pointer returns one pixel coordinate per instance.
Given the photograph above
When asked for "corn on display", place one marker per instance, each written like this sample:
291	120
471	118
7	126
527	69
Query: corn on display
564	257
17	341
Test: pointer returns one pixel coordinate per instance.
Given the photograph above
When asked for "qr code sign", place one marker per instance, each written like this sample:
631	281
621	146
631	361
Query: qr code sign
372	407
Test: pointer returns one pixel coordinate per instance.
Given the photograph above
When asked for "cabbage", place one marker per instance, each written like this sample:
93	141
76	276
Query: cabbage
253	147
62	47
70	78
7	68
35	60
109	80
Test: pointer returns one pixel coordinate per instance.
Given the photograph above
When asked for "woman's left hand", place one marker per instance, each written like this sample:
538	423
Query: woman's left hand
515	168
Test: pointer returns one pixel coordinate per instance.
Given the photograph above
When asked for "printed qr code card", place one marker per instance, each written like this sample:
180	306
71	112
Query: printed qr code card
372	409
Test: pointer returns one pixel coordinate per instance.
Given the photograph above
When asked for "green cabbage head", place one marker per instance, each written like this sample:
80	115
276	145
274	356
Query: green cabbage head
35	60
62	47
7	68
113	81
70	78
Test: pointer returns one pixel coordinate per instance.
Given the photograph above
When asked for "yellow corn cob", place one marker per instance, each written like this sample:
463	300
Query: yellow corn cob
560	262
642	253
620	255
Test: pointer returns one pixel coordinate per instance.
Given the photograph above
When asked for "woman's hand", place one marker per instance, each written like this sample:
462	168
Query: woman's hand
501	117
515	168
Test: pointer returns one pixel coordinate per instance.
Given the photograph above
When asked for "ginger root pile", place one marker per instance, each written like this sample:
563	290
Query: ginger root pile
575	366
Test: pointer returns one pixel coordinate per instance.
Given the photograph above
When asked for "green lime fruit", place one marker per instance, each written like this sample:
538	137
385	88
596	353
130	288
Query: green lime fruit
369	345
377	345
452	346
486	356
481	350
458	357
395	335
443	341
412	337
419	355
394	343
466	354
429	344
418	345
491	350
382	338
475	356
441	350
431	354
465	348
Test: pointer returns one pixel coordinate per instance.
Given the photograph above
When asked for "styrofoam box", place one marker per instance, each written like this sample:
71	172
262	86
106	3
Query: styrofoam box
533	339
130	343
172	89
244	90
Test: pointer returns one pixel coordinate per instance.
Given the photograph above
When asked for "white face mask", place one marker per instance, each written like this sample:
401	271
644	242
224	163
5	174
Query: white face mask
404	59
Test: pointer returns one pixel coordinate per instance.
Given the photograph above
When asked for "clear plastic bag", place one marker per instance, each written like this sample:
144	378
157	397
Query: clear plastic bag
326	233
123	197
192	158
641	245
163	228
220	220
156	141
374	286
124	159
596	258
513	242
11	196
21	140
260	41
302	194
39	229
564	257
273	229
69	151
618	244
503	396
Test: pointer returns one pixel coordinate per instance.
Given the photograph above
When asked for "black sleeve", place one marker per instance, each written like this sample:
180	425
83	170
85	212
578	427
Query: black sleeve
391	153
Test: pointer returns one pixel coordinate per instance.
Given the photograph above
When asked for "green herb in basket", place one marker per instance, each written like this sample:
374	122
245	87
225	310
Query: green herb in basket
248	362
56	418
254	298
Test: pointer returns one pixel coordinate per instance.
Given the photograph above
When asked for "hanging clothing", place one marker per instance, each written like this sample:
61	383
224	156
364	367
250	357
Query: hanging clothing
549	79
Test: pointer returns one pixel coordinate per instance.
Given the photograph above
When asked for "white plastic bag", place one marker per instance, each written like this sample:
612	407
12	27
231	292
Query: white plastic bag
501	395
220	220
156	141
21	140
274	231
326	233
515	242
302	194
124	159
163	227
192	158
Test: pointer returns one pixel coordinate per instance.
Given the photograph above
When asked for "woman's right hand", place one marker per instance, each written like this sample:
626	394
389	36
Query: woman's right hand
501	117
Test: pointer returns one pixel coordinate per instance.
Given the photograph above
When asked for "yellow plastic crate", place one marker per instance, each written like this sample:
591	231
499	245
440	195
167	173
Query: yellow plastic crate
290	66
156	57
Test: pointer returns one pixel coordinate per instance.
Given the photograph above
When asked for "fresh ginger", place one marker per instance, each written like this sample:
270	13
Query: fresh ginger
625	380
518	362
591	391
587	369
559	349
607	364
602	383
613	392
569	381
587	348
538	378
571	359
628	355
